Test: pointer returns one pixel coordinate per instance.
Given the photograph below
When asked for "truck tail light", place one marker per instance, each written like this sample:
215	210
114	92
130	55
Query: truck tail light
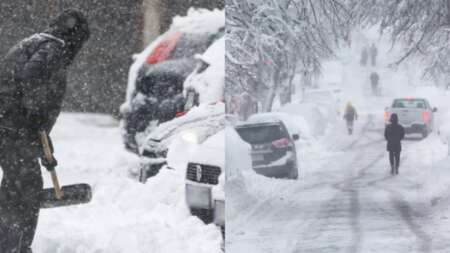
425	117
386	117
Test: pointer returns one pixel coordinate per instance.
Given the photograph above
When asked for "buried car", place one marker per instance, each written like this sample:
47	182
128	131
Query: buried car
203	113
155	81
272	140
205	194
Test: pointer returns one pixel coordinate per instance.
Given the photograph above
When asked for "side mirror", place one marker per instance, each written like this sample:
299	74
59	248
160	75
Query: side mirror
295	137
434	109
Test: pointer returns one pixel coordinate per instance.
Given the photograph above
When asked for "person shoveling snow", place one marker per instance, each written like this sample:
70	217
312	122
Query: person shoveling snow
32	86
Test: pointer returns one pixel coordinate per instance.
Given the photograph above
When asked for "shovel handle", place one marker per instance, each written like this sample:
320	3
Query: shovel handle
46	145
58	192
49	157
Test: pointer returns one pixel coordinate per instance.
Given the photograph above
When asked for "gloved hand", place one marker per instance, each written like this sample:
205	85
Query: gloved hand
49	165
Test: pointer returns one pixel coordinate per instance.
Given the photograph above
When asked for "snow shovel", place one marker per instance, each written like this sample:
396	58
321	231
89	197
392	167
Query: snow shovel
67	195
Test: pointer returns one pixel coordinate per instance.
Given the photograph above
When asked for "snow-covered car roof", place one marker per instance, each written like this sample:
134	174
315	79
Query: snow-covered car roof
205	120
273	117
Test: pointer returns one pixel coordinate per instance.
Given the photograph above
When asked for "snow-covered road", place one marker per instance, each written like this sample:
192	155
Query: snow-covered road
345	199
350	204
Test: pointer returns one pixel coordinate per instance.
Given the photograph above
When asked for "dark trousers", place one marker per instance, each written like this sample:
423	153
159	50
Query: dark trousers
350	126
394	160
19	200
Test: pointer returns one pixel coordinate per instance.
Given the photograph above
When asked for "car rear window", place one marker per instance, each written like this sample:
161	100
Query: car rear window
409	103
261	134
190	44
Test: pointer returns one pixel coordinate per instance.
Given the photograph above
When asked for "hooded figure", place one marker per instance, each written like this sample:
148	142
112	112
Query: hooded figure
373	54
374	79
394	133
350	115
32	87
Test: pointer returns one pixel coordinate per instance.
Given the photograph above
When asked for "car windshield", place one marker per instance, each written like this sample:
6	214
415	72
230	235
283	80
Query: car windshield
409	103
261	133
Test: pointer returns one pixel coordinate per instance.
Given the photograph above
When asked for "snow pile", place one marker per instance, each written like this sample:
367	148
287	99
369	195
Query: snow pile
124	215
212	151
238	163
210	83
199	21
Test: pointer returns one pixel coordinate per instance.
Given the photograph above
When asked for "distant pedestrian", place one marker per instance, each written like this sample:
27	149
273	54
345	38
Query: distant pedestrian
364	56
373	54
374	82
394	133
350	116
248	106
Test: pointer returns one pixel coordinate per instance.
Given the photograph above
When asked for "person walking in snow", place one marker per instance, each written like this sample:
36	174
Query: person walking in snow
32	87
394	133
373	54
350	116
374	80
364	56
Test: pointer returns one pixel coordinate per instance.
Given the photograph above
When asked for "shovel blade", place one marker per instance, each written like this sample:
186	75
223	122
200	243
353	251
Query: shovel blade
73	195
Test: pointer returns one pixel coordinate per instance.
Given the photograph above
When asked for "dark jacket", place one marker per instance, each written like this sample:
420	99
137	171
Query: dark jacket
33	78
394	133
350	113
374	78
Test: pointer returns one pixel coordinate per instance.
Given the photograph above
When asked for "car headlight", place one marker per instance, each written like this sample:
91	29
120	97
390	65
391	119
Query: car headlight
190	137
198	196
219	212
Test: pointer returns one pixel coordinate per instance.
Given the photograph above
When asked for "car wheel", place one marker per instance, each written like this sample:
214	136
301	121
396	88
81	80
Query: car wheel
294	173
425	132
222	244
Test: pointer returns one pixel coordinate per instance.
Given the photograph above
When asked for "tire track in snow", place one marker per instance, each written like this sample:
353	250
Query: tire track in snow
327	217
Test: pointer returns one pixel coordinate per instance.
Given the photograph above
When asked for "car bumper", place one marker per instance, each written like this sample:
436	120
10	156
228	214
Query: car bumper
414	128
280	171
200	197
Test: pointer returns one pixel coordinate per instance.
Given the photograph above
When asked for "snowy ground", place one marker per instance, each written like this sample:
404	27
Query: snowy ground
124	215
346	200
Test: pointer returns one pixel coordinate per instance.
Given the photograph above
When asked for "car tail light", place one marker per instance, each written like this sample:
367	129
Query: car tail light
163	50
179	114
281	143
386	117
425	117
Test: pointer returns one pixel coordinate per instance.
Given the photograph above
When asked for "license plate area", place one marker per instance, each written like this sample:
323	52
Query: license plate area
257	157
198	197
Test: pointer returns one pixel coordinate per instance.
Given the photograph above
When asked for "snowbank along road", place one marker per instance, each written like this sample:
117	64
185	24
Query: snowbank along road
351	204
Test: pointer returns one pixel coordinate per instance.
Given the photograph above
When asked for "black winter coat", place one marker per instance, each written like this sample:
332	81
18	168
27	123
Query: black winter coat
394	133
33	80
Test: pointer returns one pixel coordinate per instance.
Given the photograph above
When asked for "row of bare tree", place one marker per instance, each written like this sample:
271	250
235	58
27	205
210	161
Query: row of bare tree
268	41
